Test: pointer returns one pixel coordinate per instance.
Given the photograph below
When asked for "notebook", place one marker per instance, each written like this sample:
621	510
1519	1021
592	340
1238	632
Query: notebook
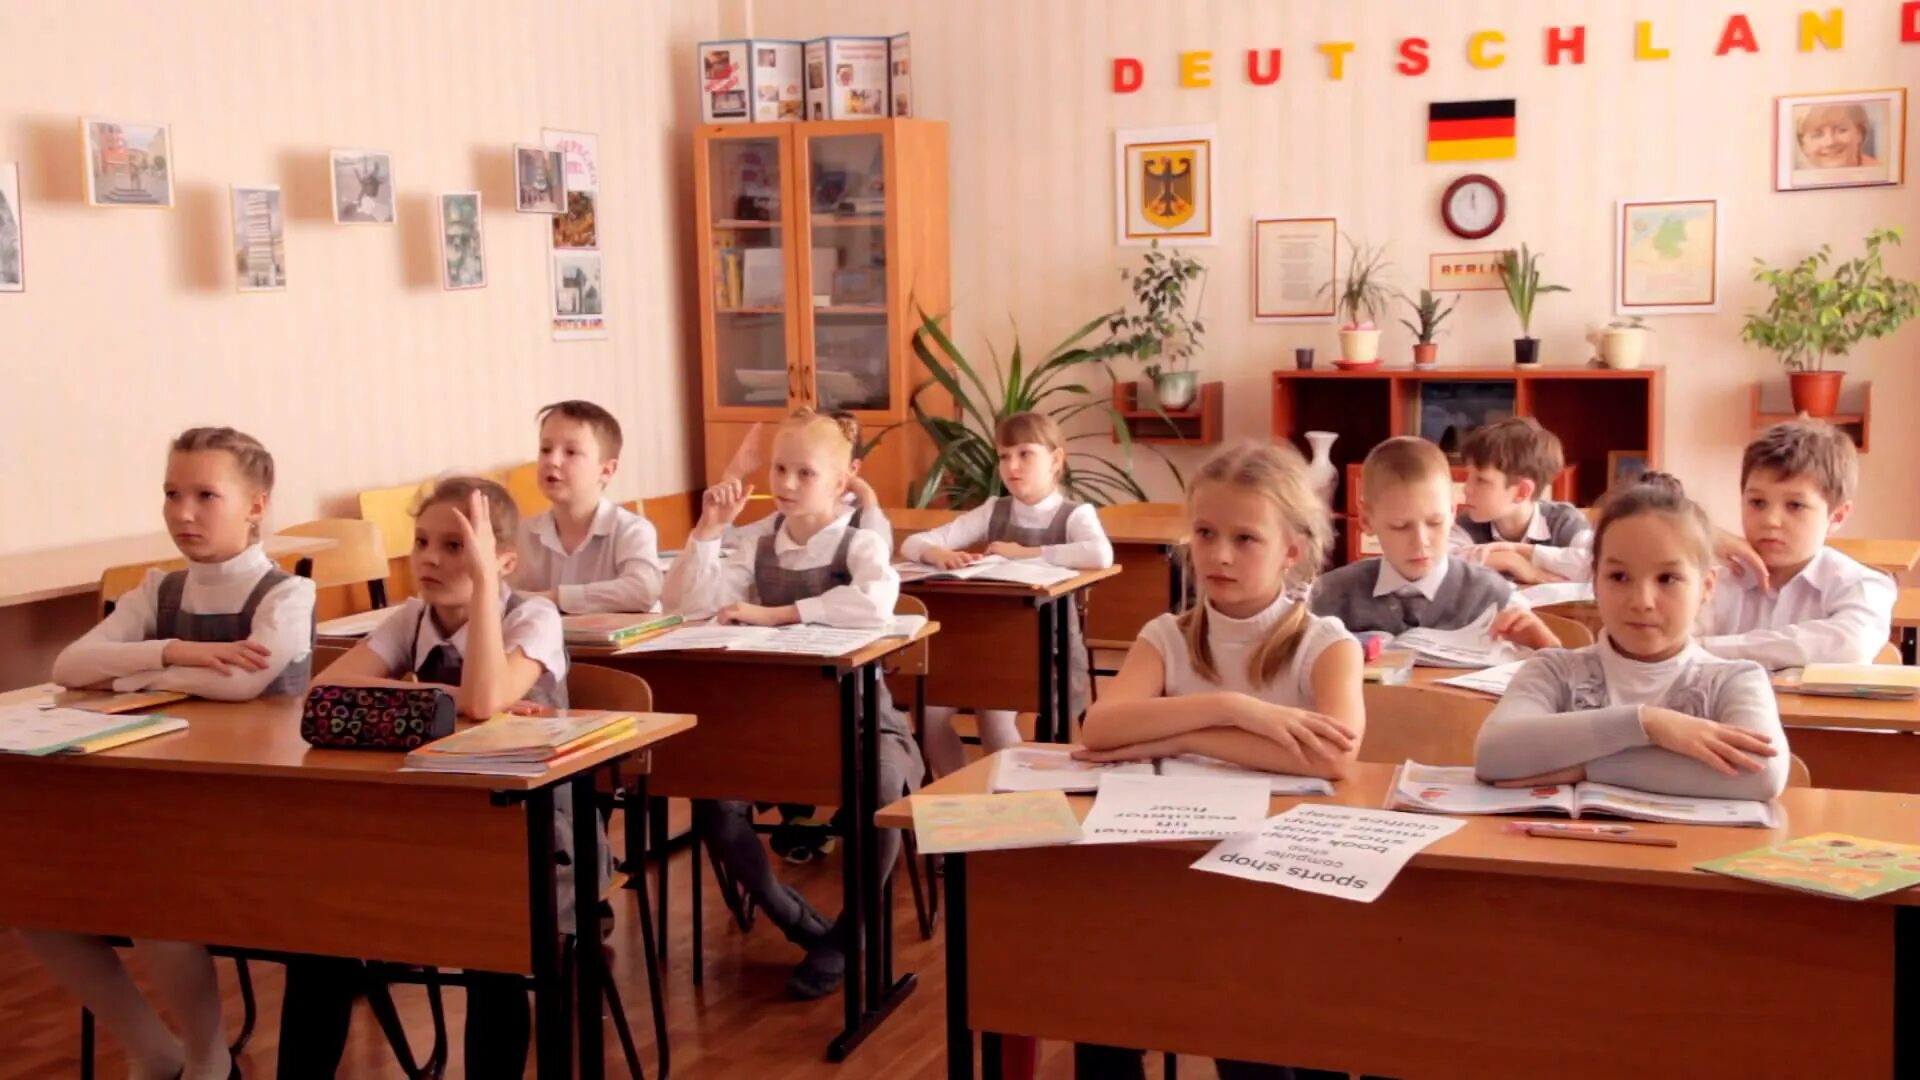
1831	864
1444	789
37	731
1874	682
991	568
613	628
945	824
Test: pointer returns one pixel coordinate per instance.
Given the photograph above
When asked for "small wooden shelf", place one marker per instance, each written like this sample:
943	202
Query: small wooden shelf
1772	404
1198	425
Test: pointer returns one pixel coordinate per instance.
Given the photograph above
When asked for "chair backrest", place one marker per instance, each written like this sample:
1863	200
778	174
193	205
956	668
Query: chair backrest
358	556
915	658
595	686
1889	654
117	581
1572	634
324	655
1123	511
391	511
1433	727
673	516
523	483
1798	775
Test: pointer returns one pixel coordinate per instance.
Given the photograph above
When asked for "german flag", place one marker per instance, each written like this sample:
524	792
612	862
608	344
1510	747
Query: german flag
1470	130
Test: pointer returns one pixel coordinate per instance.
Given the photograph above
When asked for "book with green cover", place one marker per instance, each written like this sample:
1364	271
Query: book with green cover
1831	864
613	628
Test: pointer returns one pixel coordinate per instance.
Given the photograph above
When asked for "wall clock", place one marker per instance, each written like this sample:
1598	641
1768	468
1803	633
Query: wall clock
1473	207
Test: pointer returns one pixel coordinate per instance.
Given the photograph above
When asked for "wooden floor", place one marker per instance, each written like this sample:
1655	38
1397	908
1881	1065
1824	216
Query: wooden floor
740	1024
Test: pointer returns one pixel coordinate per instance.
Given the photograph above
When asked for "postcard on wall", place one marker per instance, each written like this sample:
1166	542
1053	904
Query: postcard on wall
578	306
259	239
1667	256
579	227
362	187
539	180
1464	271
1163	185
1852	139
13	250
463	256
128	164
1293	268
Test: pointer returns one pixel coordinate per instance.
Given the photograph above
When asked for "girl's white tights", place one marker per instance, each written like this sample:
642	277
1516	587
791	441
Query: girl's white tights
945	754
91	970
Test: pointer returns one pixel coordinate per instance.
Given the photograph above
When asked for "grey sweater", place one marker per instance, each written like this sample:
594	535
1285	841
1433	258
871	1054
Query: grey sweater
1466	592
1565	523
1561	711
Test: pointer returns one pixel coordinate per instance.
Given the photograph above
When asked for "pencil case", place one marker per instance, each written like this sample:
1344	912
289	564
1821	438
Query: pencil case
375	717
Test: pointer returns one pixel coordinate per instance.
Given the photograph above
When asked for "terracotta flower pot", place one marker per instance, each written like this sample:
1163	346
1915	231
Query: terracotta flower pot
1426	355
1816	393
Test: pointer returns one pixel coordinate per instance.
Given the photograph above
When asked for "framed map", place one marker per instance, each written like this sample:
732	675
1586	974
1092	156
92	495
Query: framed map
1667	256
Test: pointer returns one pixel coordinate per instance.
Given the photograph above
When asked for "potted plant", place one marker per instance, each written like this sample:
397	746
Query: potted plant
1623	344
1815	315
1520	273
1161	333
1431	315
1363	293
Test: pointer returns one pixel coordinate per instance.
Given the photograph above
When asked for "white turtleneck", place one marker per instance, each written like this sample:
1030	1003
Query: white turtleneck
124	646
1232	643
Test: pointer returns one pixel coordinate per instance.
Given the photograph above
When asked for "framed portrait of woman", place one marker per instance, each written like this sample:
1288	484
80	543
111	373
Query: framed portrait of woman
1853	139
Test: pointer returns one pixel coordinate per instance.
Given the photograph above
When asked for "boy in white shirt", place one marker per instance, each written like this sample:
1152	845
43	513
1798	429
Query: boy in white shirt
1815	605
586	554
1507	522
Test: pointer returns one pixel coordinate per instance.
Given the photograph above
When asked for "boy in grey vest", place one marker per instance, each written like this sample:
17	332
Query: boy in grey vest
1407	496
1506	522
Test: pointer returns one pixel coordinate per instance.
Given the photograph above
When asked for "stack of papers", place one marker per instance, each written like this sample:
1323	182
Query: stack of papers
991	568
520	745
39	731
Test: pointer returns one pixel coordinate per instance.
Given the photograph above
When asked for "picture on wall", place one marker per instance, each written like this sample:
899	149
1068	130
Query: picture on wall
1293	268
462	253
1852	139
539	180
259	239
578	296
13	252
580	151
1163	185
1667	256
362	187
128	164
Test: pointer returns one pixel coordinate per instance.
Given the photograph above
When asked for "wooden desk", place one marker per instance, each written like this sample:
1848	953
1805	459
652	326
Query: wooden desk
236	833
977	663
788	729
74	571
1492	955
1893	557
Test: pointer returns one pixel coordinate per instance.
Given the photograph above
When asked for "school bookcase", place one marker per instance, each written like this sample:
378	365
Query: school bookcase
1596	412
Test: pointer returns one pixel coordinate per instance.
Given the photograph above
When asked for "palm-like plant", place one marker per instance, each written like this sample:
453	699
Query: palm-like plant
966	471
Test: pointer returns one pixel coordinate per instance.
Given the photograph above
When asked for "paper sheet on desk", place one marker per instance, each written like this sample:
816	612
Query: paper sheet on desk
796	640
1493	680
1341	851
1470	646
706	635
1133	809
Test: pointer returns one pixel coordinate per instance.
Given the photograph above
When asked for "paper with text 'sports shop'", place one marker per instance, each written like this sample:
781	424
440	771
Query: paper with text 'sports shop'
1340	851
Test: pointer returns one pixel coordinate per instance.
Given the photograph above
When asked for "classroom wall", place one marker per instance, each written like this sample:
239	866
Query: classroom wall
1026	87
363	372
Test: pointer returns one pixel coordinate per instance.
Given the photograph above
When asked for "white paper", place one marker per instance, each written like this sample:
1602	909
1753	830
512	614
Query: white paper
904	626
1199	765
1135	809
804	640
1339	851
1557	592
1030	769
707	635
1470	646
359	625
1493	680
991	568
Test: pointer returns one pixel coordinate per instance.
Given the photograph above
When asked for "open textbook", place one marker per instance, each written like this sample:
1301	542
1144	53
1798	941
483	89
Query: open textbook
1470	646
1453	789
801	639
990	568
1035	769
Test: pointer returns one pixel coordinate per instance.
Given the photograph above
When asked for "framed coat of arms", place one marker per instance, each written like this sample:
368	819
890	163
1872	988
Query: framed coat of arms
1163	185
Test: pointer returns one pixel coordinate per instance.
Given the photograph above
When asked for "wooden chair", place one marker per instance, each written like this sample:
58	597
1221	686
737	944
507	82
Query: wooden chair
673	516
1572	635
1429	726
1888	654
1798	775
117	581
358	557
523	483
325	655
391	511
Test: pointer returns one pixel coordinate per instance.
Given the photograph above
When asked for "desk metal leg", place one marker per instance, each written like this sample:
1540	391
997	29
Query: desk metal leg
657	836
851	876
589	964
1910	646
1043	720
1065	612
553	1042
876	914
959	1034
1906	991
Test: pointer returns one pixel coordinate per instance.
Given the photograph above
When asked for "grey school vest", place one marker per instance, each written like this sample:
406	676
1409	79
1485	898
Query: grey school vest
1467	591
444	664
1565	523
1000	525
170	620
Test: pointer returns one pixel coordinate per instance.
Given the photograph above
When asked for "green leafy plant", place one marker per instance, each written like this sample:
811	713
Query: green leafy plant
1430	314
1520	273
1365	288
1815	315
1161	333
966	471
1631	322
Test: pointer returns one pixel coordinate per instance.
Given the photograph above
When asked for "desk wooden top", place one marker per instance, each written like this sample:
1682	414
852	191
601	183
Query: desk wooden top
866	654
262	738
1892	556
978	587
1482	847
71	571
1156	529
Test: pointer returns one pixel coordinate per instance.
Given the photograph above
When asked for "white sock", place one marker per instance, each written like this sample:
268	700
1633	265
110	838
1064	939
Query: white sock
941	743
998	729
91	971
183	974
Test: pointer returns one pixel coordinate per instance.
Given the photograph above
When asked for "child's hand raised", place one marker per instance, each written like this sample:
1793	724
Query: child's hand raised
1724	749
720	506
476	538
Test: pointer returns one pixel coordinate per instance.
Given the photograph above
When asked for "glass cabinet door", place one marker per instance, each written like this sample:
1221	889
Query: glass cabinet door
846	269
749	269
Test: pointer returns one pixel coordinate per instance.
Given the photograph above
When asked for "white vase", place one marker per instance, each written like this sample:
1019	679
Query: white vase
1320	471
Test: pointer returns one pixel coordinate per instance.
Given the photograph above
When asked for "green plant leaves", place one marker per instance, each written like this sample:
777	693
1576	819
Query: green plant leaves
1813	315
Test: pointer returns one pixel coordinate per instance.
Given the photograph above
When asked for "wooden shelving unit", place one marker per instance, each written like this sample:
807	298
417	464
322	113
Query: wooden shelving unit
1771	404
1198	425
